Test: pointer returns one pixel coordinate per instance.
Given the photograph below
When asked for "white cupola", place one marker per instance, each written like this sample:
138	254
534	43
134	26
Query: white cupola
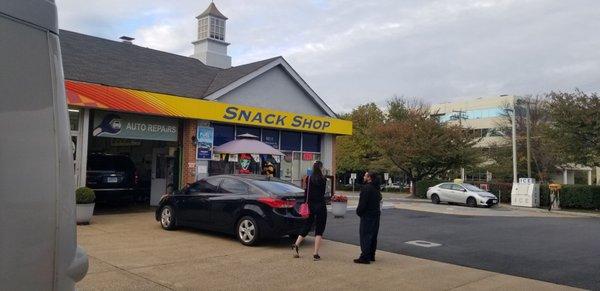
211	47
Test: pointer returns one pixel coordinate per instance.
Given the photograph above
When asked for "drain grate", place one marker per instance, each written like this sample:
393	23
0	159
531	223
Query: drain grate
423	243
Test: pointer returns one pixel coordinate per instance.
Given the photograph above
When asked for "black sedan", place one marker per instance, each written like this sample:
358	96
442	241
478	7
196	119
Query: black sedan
251	207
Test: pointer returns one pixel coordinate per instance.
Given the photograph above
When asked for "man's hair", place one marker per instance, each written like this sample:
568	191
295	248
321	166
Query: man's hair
374	178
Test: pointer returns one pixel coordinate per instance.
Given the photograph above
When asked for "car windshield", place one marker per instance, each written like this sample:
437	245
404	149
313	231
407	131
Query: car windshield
472	188
277	187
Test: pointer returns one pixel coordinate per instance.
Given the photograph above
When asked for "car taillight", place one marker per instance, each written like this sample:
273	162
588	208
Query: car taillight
277	203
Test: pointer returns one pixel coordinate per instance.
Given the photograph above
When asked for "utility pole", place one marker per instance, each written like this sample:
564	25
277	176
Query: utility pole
461	114
528	126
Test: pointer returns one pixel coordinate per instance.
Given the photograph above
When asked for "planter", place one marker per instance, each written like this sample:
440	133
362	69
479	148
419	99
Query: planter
84	213
338	209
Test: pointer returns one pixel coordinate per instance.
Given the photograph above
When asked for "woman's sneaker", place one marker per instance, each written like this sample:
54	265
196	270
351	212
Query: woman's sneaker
295	251
316	257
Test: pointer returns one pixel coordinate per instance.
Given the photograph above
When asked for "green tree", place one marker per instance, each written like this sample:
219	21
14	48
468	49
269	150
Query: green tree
575	126
421	146
359	151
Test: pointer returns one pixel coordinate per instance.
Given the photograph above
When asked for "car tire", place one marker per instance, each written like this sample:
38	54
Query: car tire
435	199
167	218
471	202
247	231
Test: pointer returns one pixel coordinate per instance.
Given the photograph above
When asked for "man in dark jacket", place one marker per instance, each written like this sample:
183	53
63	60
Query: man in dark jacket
369	211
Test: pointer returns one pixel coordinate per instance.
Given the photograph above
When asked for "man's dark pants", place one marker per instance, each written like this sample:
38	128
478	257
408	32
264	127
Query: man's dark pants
369	229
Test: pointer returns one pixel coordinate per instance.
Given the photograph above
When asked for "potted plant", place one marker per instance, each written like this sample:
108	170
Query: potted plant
84	197
339	205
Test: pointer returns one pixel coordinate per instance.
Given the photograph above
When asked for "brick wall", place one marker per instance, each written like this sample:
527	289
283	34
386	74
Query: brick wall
189	151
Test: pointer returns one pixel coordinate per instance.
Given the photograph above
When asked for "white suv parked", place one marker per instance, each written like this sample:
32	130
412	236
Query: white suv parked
461	193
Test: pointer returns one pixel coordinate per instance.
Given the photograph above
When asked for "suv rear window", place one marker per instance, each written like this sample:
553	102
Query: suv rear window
106	163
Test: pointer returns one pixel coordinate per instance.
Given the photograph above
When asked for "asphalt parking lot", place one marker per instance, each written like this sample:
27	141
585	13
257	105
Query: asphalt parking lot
553	249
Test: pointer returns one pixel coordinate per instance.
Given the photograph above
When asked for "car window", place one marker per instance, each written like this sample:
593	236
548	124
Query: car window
457	187
209	185
233	186
446	186
472	188
278	187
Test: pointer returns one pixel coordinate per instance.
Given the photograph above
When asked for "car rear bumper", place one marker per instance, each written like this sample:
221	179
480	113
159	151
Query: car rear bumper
279	225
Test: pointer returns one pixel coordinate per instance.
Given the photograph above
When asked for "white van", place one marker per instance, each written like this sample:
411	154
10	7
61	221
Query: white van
38	247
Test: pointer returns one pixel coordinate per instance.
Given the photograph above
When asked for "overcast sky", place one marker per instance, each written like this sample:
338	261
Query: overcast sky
353	52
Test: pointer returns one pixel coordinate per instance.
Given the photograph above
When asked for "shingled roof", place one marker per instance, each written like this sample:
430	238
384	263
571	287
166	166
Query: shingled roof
96	60
212	11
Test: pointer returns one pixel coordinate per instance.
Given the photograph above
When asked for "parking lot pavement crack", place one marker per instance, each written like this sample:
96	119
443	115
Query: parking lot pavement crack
134	274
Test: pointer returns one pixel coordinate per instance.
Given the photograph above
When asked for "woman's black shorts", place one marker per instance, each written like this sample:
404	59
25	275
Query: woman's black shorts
318	217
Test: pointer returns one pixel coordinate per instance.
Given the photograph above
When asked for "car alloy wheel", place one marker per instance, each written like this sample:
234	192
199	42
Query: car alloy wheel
247	230
471	202
167	218
435	199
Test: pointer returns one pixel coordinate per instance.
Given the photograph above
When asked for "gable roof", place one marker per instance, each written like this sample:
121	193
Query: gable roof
96	60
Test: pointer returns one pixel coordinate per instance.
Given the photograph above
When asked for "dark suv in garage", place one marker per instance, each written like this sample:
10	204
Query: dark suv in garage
113	177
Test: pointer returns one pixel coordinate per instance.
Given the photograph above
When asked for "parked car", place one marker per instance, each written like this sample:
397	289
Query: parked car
461	193
113	177
251	207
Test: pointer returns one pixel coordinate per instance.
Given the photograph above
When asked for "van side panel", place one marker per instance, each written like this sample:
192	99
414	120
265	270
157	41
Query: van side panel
38	248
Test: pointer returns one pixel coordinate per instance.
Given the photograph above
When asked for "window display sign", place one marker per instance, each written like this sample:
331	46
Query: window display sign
131	126
271	137
205	137
307	156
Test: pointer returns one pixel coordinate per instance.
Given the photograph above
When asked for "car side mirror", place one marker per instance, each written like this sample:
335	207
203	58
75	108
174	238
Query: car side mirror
464	190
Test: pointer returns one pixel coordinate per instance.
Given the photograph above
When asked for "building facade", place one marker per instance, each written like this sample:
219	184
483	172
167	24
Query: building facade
167	112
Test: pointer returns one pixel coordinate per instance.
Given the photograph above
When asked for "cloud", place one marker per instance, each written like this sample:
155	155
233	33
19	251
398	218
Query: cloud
352	52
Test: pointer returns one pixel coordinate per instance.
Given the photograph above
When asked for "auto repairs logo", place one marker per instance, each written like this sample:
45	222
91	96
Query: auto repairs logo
110	125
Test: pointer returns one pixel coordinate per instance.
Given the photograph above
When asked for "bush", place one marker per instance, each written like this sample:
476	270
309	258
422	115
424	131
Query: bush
423	185
580	196
84	195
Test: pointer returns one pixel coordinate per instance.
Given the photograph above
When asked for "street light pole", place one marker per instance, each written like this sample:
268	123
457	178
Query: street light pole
514	142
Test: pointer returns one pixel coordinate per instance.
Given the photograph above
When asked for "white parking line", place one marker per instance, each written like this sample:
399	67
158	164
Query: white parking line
423	243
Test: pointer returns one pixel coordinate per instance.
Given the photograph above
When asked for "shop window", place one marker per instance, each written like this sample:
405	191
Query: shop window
74	119
223	133
239	130
311	142
271	137
291	141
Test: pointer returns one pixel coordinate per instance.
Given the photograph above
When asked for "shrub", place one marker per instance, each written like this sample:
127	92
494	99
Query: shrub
423	185
84	195
580	196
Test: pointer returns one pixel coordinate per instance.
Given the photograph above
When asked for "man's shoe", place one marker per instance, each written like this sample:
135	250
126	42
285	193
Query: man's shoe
361	261
372	260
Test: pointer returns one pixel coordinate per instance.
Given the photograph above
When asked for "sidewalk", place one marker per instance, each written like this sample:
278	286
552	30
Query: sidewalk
404	201
132	252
